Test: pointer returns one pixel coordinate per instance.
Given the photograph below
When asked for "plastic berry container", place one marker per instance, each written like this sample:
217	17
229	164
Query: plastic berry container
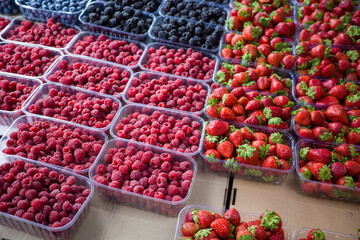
44	92
151	204
208	3
98	135
251	172
152	75
54	53
8	117
71	59
302	233
70	49
144	58
40	230
132	108
37	14
339	192
112	31
245	216
159	20
4	35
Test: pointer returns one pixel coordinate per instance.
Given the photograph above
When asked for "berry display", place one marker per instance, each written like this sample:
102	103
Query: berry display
195	11
57	144
276	52
150	6
183	31
165	92
90	75
203	224
250	108
328	167
108	49
180	62
325	93
160	176
78	108
40	194
162	130
25	60
117	17
333	124
55	5
51	34
263	78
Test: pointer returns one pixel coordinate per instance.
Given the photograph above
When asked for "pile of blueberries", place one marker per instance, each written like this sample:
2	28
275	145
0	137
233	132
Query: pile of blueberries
56	5
197	34
9	7
195	11
118	17
144	5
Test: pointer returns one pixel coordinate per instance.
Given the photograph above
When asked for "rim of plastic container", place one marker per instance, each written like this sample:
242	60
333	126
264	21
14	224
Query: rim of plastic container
69	57
57	169
168	112
167	76
71	125
333	234
66	87
47	10
15	22
129	142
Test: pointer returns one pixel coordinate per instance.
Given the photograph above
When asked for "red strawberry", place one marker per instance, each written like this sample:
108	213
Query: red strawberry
188	229
247	154
277	123
353	168
322	134
337	113
244	234
318	51
316	92
328	71
205	234
306	133
225	148
259	232
233	216
353	137
286	113
263	83
329	84
267	102
272	111
282	29
205	218
253	120
335	128
283	101
320	155
315	234
309	187
305	171
238	110
276	87
283	151
337	169
227	114
247	133
236	138
221	227
210	142
252	105
229	99
271	162
320	171
303	117
238	92
219	92
212	111
217	128
317	118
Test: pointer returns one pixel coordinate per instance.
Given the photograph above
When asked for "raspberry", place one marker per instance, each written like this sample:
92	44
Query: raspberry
186	185
188	175
166	166
172	190
23	204
37	204
177	198
54	216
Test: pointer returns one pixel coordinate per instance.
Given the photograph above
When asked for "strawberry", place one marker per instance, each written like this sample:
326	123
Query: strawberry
221	227
276	87
238	110
288	61
316	92
283	101
317	118
336	128
244	234
277	123
210	142
229	99
309	187
338	170
267	101
346	181
253	120
252	105
271	162
302	117
306	172
205	234
219	92
254	222
339	91
211	155
259	232
217	128
225	148
188	229
337	113
251	32
212	111
274	58
353	137
238	92
329	70
320	171
320	155
322	134
318	51
346	150
315	234
263	83
272	111
327	101
247	154
233	216
306	133
353	168
270	220
275	138
203	219
283	151
236	137
247	133
227	114
283	29
260	136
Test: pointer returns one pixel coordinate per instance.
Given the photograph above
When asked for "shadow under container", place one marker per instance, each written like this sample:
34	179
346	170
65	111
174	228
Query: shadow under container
46	232
151	204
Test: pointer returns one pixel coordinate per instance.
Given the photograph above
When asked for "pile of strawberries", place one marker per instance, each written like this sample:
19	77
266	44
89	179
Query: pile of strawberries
340	166
276	52
263	78
255	20
335	124
329	92
232	145
203	224
327	62
249	107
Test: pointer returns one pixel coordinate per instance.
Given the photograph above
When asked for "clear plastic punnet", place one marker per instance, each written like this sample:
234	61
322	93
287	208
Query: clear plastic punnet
40	230
151	204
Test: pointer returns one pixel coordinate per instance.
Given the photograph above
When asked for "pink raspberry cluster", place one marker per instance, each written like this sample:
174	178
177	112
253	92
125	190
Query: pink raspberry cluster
182	135
39	194
13	94
165	93
51	34
54	144
3	23
78	108
181	62
107	80
146	173
118	51
25	60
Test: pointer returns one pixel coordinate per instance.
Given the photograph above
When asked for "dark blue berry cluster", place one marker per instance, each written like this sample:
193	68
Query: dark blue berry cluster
223	2
195	11
56	5
118	17
9	7
143	5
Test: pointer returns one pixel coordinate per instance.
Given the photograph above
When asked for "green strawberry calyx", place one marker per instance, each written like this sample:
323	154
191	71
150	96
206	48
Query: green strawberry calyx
327	53
213	101
300	49
319	15
230	23
338	139
220	77
349	182
203	233
223	140
324	173
307	173
247	237
353	98
263	150
353	55
259	119
245	151
255	32
318	234
265	21
353	151
275	121
325	136
252	229
239	45
249	129
310	92
270	220
244	13
303	86
246	58
252	172
194	215
211	138
229	67
358	233
276	137
232	165
267	113
211	158
224	98
303	152
233	129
